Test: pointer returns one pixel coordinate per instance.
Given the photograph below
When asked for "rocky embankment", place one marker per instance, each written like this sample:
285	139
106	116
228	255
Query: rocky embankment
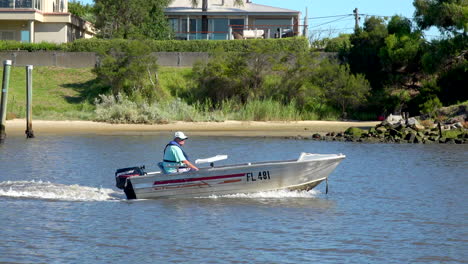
395	129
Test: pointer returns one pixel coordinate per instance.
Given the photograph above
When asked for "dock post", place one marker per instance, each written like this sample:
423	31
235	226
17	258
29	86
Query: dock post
3	102
29	132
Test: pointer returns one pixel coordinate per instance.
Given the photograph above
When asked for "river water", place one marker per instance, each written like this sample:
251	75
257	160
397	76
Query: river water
387	203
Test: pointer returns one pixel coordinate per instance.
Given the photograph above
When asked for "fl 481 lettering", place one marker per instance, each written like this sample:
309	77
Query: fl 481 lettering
260	176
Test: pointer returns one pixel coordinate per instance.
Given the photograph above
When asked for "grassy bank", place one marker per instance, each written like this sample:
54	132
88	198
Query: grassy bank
58	93
68	94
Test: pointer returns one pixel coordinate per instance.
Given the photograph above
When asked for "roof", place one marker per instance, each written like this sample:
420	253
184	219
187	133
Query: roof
226	6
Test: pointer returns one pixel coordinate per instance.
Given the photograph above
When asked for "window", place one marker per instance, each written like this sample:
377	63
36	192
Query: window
7	35
174	24
193	25
237	25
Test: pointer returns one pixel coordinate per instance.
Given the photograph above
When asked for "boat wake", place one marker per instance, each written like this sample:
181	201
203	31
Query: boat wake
53	191
271	194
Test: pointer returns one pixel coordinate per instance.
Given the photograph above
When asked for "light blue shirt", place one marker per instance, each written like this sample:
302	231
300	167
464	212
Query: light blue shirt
173	153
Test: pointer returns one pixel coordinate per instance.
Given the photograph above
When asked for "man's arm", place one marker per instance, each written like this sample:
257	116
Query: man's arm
190	165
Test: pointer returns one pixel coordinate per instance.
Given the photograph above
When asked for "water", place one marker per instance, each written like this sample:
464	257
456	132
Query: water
387	204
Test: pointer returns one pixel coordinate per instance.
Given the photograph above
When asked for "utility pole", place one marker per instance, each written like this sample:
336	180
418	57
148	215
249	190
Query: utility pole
356	18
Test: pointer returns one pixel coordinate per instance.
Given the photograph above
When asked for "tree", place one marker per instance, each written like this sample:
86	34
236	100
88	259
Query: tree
130	70
341	88
132	19
399	26
86	12
205	9
363	57
232	75
446	58
447	15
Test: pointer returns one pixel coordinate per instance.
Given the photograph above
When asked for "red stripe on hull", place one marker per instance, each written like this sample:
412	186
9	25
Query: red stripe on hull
199	179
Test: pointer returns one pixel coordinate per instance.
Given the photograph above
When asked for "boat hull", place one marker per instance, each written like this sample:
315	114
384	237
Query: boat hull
302	174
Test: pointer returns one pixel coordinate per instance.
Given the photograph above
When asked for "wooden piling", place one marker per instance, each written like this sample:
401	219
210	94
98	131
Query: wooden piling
29	132
3	102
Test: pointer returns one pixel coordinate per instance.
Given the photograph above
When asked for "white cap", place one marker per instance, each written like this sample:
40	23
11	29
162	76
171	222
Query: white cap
180	134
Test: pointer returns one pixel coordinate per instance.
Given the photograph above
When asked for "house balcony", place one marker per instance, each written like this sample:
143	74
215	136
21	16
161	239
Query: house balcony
240	32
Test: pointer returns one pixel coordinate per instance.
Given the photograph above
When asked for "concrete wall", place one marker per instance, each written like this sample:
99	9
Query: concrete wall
89	59
50	58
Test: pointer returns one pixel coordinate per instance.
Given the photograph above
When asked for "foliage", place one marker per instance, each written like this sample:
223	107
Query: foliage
340	87
86	11
284	45
238	76
130	70
132	19
399	26
441	54
267	45
338	44
447	15
363	57
9	45
430	107
315	84
453	84
121	109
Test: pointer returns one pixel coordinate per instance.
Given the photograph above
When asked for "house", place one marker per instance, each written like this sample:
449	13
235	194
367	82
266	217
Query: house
41	20
222	19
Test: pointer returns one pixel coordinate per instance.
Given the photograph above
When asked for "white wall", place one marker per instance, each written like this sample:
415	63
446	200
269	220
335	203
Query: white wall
50	32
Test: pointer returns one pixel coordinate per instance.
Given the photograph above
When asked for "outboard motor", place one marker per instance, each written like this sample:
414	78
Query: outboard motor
121	176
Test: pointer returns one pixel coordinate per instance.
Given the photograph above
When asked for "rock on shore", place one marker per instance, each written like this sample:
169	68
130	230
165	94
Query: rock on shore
395	129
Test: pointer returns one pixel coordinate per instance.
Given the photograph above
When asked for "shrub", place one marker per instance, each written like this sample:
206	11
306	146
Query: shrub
430	106
287	45
131	70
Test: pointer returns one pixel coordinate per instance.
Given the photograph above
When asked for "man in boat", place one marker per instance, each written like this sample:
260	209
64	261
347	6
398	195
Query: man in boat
174	157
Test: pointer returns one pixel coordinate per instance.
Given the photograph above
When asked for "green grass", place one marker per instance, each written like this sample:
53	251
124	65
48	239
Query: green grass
57	93
68	94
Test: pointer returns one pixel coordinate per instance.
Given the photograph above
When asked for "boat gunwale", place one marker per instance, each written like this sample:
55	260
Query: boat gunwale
191	174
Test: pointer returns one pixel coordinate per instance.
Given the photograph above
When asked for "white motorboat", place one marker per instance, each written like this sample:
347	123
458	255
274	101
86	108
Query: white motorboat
302	174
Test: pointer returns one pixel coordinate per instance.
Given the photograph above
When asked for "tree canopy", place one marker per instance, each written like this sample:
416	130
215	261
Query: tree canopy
132	19
447	15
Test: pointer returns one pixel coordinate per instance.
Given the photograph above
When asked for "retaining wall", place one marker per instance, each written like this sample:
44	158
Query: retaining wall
89	59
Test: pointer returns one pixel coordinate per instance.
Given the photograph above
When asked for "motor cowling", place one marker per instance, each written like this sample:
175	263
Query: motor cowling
121	175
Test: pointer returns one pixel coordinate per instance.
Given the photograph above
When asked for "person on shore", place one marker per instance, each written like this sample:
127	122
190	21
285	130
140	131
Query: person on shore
174	157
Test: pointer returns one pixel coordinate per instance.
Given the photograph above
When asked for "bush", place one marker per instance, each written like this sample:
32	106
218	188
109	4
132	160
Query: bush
430	106
7	45
131	70
121	109
298	44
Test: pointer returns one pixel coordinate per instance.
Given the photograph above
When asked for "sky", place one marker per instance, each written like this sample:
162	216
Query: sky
329	27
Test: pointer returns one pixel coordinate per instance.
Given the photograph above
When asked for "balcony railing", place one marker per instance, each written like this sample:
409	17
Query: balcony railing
21	4
240	32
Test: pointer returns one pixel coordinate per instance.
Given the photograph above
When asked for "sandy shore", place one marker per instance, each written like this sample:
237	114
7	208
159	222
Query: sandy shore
227	128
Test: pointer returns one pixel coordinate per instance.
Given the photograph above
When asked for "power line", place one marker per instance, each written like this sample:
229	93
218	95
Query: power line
330	16
332	29
329	22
